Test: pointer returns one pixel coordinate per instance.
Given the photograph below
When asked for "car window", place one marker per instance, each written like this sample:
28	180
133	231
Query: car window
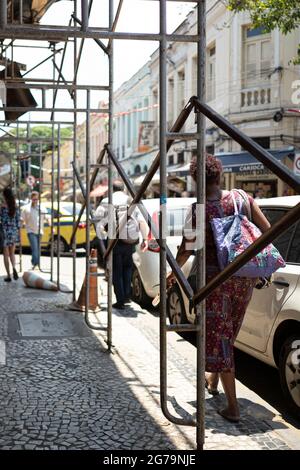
47	210
175	220
65	210
294	252
68	208
283	240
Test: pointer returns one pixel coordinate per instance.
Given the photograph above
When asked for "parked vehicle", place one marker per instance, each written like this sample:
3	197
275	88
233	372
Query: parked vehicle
66	228
145	279
271	328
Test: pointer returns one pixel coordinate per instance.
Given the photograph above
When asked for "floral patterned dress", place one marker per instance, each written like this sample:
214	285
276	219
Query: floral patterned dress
10	226
226	306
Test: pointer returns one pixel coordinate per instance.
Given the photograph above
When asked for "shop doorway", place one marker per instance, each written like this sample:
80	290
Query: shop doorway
266	188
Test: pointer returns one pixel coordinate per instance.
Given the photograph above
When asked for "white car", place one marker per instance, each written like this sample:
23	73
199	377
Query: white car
271	328
145	279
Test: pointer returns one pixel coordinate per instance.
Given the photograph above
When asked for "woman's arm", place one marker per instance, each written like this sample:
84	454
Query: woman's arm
258	218
182	256
183	252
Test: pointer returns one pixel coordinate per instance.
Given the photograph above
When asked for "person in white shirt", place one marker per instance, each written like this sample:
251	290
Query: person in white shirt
34	228
122	252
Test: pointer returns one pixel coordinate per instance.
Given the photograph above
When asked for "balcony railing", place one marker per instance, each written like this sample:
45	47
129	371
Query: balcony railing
255	97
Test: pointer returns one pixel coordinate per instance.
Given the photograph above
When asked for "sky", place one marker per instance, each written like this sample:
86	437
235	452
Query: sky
129	56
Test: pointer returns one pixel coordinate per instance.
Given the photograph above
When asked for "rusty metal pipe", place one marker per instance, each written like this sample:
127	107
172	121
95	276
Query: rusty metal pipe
284	173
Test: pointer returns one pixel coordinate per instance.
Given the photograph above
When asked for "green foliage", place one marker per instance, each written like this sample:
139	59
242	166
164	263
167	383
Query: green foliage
37	132
271	14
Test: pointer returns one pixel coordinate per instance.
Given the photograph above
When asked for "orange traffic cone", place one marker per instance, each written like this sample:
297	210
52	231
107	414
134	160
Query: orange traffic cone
93	291
34	280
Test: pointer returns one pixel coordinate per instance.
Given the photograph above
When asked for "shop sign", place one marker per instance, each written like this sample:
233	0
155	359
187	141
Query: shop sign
249	168
263	172
146	136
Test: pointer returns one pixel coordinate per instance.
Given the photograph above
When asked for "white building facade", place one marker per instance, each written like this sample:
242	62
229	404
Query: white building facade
250	81
133	122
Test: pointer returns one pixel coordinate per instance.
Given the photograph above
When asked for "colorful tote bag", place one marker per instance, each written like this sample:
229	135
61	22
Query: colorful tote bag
233	234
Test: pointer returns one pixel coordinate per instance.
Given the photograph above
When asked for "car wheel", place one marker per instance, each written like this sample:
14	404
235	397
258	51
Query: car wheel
175	307
62	245
289	369
138	292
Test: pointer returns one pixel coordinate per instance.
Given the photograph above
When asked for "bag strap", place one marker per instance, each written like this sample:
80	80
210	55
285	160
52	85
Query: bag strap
247	203
236	211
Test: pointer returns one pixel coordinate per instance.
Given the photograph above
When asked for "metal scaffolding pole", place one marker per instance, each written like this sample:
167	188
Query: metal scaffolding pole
58	207
18	181
52	201
84	15
163	203
88	203
109	261
64	33
200	214
73	241
3	14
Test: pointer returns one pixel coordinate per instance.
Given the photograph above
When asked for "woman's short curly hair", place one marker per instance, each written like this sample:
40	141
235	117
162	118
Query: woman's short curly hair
213	169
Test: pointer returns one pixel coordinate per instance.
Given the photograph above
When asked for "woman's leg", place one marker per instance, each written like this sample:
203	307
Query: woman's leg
228	382
212	379
240	291
12	255
6	259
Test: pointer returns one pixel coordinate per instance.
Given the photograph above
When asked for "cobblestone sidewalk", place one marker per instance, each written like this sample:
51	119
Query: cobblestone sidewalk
60	389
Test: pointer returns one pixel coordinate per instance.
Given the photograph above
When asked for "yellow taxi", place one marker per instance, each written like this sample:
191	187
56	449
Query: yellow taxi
66	227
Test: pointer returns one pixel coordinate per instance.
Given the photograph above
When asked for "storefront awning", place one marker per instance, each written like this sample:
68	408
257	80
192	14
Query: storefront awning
179	170
140	179
235	162
238	162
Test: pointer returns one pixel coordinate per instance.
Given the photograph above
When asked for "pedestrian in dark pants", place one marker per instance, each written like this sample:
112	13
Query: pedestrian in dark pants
123	250
122	272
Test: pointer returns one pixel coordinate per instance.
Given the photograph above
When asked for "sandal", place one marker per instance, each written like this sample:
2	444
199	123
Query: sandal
211	391
232	419
15	274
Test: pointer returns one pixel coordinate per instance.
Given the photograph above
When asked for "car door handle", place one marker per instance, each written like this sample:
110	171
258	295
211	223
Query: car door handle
281	283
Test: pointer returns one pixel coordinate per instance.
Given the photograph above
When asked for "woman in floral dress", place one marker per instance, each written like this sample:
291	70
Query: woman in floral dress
226	305
10	220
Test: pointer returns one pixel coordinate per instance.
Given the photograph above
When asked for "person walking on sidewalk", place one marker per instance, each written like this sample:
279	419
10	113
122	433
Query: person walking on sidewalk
226	305
34	227
123	250
10	220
